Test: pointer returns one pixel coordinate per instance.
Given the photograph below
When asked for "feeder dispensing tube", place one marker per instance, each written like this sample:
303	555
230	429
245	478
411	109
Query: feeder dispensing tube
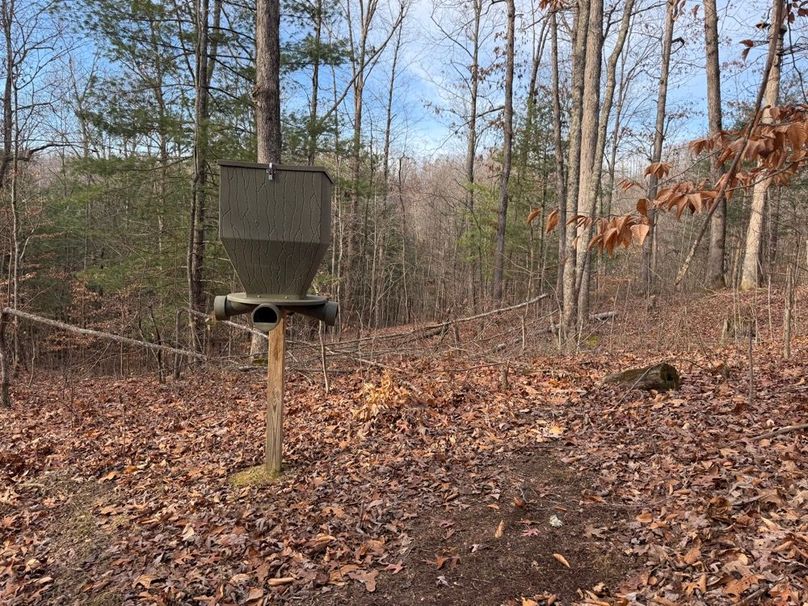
326	311
224	308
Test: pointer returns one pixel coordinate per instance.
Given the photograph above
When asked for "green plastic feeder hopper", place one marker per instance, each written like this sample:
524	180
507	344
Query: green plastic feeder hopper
275	225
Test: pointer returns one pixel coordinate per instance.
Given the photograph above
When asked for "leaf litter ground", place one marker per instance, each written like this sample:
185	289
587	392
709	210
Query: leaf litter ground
435	485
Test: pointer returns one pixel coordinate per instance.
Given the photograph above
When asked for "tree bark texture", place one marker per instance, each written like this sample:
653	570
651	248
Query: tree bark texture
569	296
718	224
659	377
593	187
204	55
751	274
647	268
558	145
267	100
507	149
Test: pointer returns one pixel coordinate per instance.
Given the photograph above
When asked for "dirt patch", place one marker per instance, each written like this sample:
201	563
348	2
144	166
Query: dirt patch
511	543
78	544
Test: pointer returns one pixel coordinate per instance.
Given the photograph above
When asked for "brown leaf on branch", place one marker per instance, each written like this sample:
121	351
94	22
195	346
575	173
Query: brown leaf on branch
642	206
552	220
627	184
640	232
658	169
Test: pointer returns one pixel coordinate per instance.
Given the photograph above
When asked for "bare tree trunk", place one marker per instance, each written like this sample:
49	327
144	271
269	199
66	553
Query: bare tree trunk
589	136
388	127
788	313
647	269
718	224
267	80
205	52
507	149
5	378
593	187
561	181
14	283
404	278
772	58
267	97
471	140
313	128
9	159
7	16
574	163
773	224
752	262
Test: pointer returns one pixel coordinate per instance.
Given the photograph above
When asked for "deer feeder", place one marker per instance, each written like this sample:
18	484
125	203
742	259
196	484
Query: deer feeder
275	225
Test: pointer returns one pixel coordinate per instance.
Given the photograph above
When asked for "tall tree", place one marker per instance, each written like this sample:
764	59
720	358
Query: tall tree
580	37
751	274
558	150
718	224
205	50
587	186
647	268
471	129
507	150
591	193
267	100
267	92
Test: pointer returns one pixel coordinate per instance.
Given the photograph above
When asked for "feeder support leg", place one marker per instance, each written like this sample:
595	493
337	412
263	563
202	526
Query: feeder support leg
275	386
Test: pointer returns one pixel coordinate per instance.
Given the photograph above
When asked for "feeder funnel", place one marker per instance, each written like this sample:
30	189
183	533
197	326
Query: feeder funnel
275	225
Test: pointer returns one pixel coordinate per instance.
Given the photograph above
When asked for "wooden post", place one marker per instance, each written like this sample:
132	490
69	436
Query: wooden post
275	370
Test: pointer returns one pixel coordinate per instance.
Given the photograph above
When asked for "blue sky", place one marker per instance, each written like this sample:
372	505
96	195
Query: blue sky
429	80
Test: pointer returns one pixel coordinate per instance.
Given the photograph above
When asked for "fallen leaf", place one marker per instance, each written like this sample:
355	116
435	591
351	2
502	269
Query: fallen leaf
145	580
738	586
500	529
188	533
367	578
255	594
561	559
693	555
645	517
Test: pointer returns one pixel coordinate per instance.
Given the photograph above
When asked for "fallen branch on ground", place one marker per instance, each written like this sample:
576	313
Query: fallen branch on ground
781	431
99	334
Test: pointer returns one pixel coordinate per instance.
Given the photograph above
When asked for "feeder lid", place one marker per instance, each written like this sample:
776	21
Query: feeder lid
277	167
279	300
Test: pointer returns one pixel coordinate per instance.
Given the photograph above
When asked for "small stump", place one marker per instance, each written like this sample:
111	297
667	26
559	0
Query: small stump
660	377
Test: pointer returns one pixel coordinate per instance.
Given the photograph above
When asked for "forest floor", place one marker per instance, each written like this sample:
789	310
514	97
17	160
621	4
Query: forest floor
445	481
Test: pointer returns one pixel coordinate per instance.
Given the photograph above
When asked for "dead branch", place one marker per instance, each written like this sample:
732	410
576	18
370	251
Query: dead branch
434	329
98	334
781	431
243	327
